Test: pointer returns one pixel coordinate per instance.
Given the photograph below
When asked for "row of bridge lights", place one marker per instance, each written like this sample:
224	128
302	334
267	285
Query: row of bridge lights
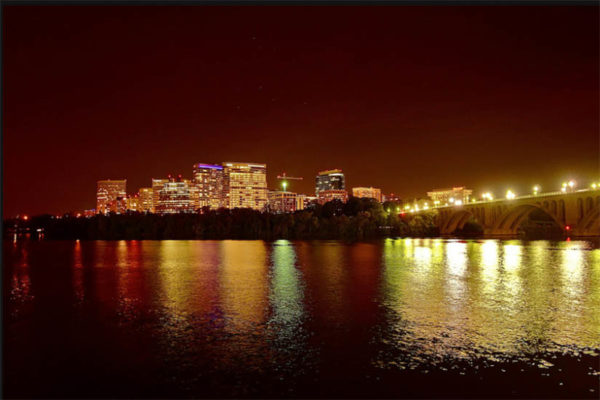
536	189
570	185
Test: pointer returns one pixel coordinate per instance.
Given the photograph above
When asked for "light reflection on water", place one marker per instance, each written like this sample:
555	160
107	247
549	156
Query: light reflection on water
287	309
501	299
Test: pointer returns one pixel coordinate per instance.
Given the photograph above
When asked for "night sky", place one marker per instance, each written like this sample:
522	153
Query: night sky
402	98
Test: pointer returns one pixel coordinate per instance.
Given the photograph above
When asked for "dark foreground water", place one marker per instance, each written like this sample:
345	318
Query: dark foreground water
395	318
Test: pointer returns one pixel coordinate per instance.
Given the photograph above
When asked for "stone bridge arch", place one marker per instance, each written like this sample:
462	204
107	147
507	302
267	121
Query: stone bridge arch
455	220
508	222
575	213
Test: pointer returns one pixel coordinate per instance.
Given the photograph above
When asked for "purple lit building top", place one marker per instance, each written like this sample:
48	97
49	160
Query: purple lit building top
210	166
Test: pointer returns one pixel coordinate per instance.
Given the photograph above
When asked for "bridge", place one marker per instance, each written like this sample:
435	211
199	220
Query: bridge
577	213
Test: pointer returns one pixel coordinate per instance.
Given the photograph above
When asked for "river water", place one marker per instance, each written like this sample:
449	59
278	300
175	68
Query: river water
390	318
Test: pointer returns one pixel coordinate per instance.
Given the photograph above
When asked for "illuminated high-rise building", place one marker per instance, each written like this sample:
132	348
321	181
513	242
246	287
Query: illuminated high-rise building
301	202
330	180
157	185
194	194
208	180
367	192
283	202
330	185
107	192
133	203
245	185
146	199
118	205
174	197
333	194
309	201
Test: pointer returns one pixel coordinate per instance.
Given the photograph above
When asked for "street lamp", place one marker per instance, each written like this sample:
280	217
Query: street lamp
284	184
536	189
510	195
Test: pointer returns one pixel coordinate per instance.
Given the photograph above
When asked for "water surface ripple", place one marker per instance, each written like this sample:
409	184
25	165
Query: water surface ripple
391	318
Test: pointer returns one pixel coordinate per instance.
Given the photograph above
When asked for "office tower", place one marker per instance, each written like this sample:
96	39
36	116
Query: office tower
146	199
330	180
107	192
330	185
367	192
283	202
174	197
208	180
333	194
157	185
301	202
245	185
133	203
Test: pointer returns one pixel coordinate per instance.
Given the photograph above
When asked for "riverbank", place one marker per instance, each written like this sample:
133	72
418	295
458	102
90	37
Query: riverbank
350	221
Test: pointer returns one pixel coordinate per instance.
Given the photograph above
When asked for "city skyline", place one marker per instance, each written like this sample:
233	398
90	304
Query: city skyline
219	198
468	104
207	189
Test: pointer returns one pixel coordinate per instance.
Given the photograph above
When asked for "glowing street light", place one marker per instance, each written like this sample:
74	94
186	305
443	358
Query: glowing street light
536	189
594	186
510	195
284	184
458	203
571	184
487	196
451	200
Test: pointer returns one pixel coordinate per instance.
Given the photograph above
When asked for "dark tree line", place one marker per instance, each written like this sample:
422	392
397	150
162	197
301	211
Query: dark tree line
354	220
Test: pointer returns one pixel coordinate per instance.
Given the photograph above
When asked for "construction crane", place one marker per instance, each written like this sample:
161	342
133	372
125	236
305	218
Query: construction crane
285	178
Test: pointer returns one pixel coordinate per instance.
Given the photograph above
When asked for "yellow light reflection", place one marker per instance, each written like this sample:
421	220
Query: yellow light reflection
243	288
512	257
572	267
490	297
456	254
422	255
